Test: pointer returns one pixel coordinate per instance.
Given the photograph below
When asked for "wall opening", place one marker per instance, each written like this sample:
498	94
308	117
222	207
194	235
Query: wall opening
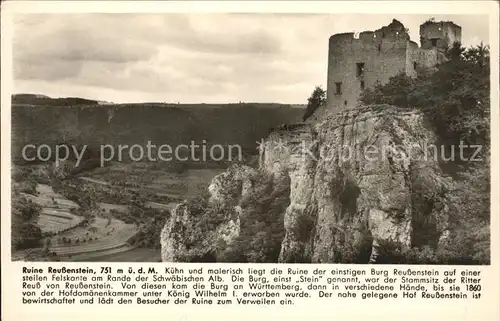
362	85
414	66
434	42
360	69
345	102
338	88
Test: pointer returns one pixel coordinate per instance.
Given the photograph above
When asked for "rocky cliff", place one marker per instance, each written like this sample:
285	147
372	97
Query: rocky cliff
197	230
357	180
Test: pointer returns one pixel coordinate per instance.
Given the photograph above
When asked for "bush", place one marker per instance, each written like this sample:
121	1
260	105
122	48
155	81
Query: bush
149	233
455	97
262	227
25	232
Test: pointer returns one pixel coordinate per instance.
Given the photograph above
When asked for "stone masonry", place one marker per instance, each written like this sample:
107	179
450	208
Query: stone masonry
356	62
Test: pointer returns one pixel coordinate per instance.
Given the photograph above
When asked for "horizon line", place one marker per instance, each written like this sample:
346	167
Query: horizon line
157	102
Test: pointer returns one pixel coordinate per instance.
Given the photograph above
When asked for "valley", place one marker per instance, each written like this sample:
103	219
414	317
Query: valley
107	224
115	211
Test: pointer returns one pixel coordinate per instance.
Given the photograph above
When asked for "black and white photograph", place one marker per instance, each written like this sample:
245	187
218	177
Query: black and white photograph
251	138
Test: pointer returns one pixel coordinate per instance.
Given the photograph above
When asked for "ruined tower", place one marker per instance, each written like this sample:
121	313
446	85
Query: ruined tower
440	35
359	61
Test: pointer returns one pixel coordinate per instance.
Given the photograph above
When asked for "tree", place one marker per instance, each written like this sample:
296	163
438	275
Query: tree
24	214
317	99
455	52
47	245
262	226
455	97
396	92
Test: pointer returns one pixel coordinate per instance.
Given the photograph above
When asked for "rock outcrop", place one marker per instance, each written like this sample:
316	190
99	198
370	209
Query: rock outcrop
196	230
358	179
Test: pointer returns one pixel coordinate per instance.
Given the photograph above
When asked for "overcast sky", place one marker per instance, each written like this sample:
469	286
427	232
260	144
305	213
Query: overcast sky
190	58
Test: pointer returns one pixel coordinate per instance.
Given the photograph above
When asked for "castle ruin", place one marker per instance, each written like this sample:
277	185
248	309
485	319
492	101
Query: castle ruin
356	62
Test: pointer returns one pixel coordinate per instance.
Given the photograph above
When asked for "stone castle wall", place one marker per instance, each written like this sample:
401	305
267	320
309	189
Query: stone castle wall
382	58
384	53
445	33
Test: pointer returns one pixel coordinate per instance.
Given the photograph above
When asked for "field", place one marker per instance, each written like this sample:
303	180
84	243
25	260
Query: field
160	206
107	207
131	255
93	180
103	239
56	215
167	188
189	184
53	221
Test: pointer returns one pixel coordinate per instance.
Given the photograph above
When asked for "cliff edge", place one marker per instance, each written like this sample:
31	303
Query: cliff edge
355	182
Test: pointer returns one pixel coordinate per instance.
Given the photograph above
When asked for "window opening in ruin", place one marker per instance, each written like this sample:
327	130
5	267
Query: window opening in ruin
415	66
379	47
345	102
338	88
360	69
362	85
434	42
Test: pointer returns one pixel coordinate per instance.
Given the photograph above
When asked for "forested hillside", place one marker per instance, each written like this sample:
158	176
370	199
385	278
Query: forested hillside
94	125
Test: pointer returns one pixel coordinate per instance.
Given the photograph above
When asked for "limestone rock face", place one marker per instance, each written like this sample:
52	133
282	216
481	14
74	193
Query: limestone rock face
358	179
194	234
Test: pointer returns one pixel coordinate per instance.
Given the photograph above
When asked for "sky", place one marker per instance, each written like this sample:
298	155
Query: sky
191	58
